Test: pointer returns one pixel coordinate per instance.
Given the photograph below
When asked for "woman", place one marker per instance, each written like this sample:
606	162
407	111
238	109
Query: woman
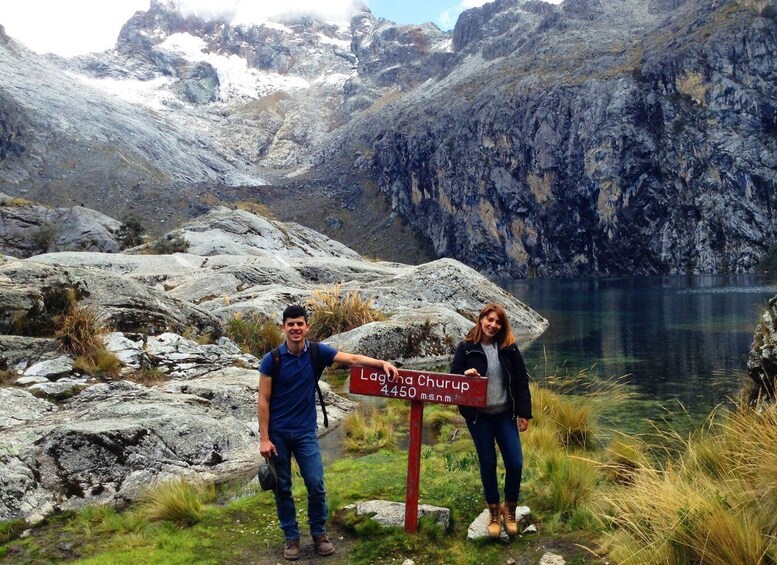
489	350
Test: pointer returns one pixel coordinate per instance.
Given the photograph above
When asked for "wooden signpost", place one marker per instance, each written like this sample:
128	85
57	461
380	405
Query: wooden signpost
418	387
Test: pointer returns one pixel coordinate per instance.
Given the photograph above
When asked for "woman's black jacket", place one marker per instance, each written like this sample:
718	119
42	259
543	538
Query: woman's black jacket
471	356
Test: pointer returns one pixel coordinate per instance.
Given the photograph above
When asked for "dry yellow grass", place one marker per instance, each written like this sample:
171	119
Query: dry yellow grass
714	504
334	312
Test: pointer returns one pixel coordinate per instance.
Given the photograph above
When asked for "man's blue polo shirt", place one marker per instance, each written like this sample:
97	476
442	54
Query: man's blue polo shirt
293	397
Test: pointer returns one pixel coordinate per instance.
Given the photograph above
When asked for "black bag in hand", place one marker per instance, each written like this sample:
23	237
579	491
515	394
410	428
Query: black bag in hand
267	476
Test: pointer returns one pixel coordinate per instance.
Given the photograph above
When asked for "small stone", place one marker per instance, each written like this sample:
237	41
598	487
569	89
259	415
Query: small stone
31	380
530	529
551	559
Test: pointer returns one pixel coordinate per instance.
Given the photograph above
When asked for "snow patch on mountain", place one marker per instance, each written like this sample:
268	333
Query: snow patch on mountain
154	93
235	76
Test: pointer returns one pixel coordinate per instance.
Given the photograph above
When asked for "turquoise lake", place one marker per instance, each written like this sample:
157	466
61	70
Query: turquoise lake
674	339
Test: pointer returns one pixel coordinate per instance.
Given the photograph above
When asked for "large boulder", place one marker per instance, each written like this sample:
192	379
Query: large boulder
32	294
111	441
27	229
762	359
224	231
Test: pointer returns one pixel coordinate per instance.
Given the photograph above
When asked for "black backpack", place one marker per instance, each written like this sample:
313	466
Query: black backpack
318	369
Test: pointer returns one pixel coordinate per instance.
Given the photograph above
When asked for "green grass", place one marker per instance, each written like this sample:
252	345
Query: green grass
712	500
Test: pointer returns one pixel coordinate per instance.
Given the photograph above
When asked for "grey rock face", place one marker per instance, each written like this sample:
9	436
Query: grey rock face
200	84
29	229
51	370
37	290
276	264
18	352
236	232
20	407
762	359
644	153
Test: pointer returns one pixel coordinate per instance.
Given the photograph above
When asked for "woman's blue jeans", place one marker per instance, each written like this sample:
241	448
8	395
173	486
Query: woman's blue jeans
304	448
487	431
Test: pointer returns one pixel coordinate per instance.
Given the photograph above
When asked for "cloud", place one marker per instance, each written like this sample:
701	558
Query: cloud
447	19
253	12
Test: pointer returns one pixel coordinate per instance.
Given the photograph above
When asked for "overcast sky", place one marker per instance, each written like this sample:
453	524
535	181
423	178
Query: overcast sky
72	27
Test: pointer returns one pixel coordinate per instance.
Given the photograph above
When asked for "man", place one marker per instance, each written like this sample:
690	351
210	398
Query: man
287	426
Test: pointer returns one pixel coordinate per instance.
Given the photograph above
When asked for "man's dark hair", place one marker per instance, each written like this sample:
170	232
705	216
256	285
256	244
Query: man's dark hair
294	311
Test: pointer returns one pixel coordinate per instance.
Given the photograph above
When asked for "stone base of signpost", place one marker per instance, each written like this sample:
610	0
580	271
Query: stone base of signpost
479	527
393	513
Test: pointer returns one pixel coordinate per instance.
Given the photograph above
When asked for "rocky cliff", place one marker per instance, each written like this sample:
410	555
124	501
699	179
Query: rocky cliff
592	137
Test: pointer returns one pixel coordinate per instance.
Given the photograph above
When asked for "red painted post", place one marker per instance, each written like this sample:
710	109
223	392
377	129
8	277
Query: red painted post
413	465
418	387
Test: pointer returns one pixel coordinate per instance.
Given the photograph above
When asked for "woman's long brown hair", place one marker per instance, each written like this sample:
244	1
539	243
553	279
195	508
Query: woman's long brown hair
505	335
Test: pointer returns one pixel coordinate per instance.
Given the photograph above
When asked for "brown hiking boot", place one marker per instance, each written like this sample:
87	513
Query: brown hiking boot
323	545
292	550
508	515
494	521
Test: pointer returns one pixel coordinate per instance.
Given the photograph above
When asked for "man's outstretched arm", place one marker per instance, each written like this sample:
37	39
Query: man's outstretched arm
353	359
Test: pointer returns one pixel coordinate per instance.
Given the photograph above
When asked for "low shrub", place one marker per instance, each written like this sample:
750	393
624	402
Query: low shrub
334	312
130	233
626	455
254	334
16	202
256	208
173	242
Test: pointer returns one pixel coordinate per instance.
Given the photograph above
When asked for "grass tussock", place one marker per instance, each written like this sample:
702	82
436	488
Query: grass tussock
716	503
366	431
81	334
16	202
80	331
7	377
254	334
99	363
177	501
334	312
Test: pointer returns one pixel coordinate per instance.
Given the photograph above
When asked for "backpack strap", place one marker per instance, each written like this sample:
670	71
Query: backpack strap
276	363
318	369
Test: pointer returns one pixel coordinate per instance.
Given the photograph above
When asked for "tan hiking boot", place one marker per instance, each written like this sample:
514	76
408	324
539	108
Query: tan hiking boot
494	521
508	515
292	550
323	545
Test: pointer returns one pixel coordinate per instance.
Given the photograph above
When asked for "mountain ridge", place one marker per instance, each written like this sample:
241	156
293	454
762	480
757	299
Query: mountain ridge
533	139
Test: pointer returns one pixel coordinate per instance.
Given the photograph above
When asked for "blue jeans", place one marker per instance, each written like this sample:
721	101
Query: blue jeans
500	429
304	447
